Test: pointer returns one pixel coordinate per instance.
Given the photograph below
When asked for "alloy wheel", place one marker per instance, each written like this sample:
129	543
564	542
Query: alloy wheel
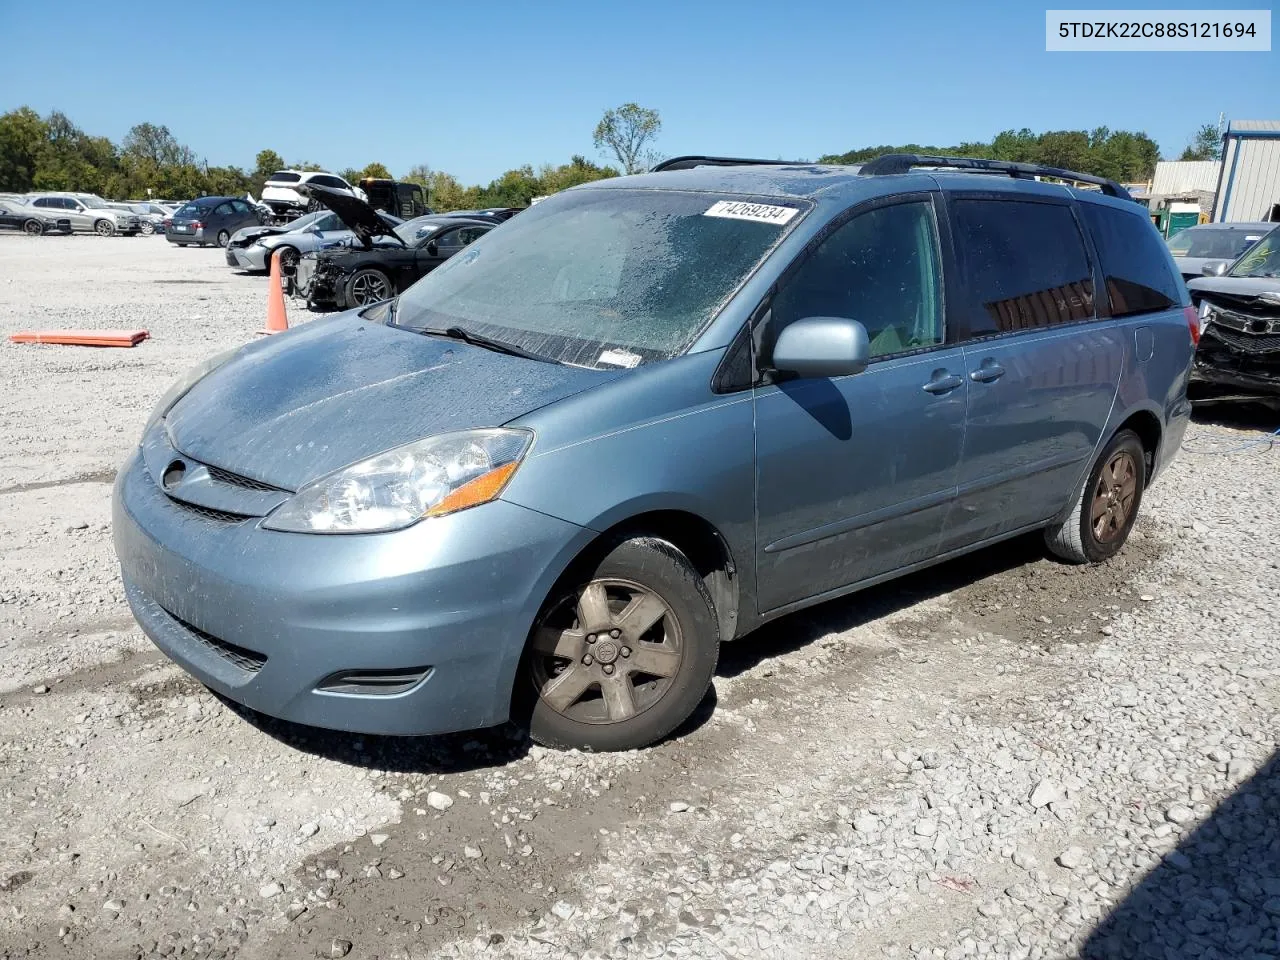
606	654
369	288
1113	497
33	228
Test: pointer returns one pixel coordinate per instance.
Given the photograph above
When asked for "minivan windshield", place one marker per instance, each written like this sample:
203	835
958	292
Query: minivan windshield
1261	260
1219	243
602	278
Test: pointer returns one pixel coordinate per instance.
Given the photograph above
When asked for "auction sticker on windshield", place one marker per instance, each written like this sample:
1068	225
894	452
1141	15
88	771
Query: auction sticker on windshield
759	212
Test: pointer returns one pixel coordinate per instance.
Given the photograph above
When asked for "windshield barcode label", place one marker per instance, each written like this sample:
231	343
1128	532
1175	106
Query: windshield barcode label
759	212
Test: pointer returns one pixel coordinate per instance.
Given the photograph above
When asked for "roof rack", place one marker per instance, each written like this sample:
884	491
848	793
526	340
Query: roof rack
892	163
688	163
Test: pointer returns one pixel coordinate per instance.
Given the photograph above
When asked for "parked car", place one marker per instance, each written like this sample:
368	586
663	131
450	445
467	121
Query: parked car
282	195
86	212
498	213
641	419
1195	246
1239	308
379	262
151	216
251	250
15	216
404	200
209	220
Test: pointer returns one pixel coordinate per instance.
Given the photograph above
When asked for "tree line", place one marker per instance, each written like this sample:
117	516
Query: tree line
52	153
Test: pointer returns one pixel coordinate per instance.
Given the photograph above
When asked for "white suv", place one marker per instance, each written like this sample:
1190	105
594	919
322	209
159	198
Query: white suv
280	192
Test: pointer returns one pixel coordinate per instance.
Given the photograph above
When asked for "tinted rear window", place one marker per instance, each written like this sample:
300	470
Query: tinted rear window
1023	265
1135	265
284	177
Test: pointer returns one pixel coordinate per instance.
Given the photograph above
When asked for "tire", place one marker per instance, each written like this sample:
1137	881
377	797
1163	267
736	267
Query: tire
1107	506
148	229
104	228
289	257
583	685
223	238
33	228
367	286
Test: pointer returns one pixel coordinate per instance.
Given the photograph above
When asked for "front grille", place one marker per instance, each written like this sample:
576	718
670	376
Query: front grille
208	513
219	475
246	660
1244	342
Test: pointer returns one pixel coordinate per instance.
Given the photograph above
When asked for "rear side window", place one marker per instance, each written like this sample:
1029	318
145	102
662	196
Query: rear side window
283	176
1023	266
1134	265
325	180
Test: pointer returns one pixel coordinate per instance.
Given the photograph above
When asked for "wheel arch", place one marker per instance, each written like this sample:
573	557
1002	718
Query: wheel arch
1150	431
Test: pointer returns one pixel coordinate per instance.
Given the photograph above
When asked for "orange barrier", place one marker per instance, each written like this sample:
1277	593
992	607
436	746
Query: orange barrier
83	338
277	319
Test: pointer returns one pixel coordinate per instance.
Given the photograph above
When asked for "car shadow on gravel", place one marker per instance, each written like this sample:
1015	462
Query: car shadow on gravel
1216	895
797	630
450	753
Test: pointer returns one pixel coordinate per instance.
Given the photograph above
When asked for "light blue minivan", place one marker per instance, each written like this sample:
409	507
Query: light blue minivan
644	417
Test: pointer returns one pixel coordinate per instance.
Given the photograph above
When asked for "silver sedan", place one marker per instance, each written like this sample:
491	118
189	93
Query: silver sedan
251	248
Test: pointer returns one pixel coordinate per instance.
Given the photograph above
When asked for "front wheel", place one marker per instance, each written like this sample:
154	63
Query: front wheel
104	228
1107	507
623	654
368	286
148	228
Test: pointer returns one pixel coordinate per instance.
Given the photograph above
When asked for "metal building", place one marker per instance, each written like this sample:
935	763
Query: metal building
1249	186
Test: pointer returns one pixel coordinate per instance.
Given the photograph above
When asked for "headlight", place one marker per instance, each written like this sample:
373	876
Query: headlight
1206	313
427	478
183	386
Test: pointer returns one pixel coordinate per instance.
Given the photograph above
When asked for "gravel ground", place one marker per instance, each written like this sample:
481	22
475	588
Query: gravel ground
1000	757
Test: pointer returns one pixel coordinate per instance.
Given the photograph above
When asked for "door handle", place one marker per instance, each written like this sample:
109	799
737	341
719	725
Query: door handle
942	382
988	372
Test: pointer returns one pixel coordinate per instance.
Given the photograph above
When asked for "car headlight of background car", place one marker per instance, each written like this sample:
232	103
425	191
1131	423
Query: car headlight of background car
183	385
426	478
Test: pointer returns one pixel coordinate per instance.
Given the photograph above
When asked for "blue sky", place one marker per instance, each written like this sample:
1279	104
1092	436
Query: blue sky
476	89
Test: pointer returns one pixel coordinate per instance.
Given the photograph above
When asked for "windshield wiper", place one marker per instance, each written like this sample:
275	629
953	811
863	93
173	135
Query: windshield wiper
489	343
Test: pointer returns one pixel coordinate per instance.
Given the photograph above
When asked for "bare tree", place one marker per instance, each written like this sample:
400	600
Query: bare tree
626	131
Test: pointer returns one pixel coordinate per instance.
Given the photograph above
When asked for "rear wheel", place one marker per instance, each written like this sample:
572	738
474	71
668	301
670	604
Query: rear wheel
368	286
223	238
622	653
1107	507
33	228
104	228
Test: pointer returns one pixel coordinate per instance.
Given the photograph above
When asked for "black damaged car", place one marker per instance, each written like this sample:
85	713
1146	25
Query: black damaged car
32	224
1239	353
380	262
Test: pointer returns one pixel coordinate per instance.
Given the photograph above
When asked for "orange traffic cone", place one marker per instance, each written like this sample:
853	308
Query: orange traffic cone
277	319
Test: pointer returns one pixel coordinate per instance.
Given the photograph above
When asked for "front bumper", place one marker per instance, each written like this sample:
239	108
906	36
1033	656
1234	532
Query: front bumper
1236	361
247	258
273	620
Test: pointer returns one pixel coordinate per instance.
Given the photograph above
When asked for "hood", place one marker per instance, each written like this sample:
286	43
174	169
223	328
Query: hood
1264	289
354	212
299	405
246	235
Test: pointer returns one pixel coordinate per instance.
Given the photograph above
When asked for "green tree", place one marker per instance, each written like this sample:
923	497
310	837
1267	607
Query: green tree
23	136
1205	145
627	131
378	171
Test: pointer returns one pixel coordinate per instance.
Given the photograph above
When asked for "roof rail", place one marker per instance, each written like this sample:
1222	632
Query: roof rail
688	163
892	163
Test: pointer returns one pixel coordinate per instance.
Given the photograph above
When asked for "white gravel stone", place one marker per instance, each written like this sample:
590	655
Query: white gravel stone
439	801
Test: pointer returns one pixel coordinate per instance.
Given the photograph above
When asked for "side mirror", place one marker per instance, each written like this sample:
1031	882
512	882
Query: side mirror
433	248
1215	268
822	347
